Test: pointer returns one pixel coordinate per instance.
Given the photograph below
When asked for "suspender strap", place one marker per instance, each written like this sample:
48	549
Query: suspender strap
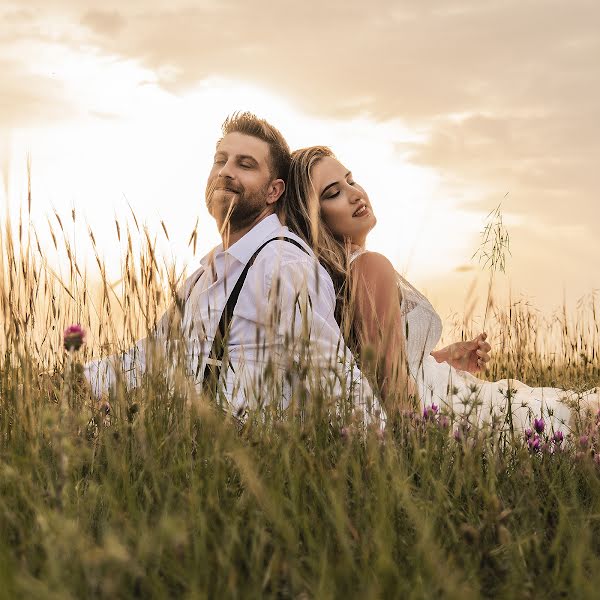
212	371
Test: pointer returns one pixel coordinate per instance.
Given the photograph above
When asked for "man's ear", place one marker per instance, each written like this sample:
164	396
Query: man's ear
276	190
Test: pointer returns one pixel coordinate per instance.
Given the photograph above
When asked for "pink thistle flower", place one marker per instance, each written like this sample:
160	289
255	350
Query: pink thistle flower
74	337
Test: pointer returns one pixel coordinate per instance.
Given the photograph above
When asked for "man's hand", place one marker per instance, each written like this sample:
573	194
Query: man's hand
471	356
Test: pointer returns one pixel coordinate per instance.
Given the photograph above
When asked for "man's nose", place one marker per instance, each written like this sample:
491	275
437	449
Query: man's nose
225	171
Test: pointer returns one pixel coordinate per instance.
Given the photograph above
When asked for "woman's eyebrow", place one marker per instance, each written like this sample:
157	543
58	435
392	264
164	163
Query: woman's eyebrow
328	186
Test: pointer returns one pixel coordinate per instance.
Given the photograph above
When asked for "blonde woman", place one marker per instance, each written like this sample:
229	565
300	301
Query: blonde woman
392	328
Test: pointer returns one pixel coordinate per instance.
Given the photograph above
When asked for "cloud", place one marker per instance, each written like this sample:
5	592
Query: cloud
28	98
507	94
106	23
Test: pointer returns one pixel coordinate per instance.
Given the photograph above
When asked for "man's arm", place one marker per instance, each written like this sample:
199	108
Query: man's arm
102	374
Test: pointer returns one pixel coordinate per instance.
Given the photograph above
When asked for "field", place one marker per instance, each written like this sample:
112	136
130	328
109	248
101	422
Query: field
166	496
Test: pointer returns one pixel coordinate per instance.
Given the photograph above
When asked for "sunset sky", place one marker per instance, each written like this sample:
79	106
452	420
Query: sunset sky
441	110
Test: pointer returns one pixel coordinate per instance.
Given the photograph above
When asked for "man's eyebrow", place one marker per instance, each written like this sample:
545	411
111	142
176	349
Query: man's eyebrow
246	157
332	184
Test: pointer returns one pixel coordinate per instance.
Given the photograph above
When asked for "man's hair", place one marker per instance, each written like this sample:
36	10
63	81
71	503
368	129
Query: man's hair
249	124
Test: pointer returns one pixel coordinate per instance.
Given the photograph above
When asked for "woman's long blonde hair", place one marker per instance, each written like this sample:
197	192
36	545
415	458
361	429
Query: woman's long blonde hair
300	211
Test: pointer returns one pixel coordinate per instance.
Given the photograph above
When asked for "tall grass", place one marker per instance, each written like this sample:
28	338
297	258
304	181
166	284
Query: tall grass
169	497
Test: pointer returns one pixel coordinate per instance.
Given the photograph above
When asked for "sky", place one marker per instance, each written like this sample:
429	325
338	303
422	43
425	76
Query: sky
442	110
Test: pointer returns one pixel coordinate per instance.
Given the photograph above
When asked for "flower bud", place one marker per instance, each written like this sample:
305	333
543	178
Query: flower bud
74	337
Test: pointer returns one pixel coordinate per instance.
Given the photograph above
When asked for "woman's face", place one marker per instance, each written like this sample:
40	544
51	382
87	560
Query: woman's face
344	205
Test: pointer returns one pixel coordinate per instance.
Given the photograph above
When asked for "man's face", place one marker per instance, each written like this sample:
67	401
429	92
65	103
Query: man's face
239	182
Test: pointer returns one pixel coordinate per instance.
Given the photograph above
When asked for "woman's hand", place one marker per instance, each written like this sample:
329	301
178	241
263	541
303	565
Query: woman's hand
470	356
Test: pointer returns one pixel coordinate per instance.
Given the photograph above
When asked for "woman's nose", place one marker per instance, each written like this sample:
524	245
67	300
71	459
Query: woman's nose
355	195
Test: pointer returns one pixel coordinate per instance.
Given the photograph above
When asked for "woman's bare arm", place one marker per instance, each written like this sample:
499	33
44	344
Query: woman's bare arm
378	324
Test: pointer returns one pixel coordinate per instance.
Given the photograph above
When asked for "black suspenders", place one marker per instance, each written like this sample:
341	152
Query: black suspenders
214	362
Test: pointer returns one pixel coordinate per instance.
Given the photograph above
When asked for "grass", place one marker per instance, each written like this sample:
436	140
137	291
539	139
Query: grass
168	497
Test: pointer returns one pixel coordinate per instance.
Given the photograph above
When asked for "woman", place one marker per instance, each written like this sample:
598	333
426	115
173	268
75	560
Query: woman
392	328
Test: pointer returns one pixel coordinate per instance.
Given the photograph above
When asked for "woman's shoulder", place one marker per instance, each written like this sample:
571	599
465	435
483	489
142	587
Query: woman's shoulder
374	265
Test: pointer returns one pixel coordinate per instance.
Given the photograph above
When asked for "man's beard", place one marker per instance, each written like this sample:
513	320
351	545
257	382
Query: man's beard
236	210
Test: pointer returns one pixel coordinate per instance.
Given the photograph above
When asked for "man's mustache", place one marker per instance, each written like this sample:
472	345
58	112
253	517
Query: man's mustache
220	184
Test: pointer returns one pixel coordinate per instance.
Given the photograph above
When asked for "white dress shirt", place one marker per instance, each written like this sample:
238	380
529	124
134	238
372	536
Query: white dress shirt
285	310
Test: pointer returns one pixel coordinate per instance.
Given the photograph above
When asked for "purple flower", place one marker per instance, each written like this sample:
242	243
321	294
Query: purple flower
74	337
528	433
534	443
458	434
538	425
584	440
558	437
429	412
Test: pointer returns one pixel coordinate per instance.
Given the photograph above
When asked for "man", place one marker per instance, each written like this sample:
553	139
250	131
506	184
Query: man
285	308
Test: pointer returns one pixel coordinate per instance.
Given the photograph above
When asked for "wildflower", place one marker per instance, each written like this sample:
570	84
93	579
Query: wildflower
444	422
558	437
534	443
538	425
528	433
429	412
74	337
584	441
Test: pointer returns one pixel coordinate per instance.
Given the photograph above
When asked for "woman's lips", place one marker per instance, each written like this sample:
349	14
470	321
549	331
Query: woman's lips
361	212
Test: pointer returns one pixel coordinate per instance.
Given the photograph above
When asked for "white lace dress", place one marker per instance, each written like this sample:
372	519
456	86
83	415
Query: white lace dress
466	397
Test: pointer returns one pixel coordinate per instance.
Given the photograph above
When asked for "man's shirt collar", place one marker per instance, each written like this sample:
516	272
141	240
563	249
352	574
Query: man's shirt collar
245	247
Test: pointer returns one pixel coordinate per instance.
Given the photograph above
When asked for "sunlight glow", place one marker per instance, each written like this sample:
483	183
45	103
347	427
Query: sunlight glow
128	141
